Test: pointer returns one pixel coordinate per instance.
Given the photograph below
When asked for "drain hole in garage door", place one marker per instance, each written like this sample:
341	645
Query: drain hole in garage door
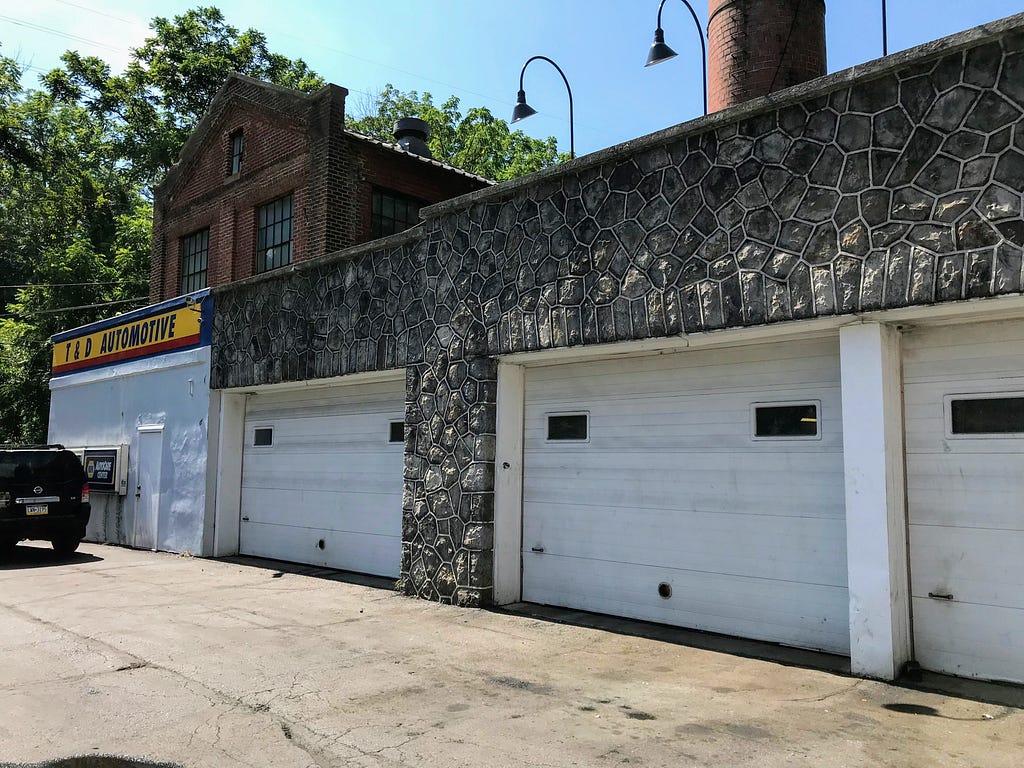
320	544
665	590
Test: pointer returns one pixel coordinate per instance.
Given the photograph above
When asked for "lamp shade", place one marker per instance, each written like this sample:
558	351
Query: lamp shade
522	110
659	50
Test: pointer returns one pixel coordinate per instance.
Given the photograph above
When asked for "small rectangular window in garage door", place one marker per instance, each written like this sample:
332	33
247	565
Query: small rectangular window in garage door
396	431
995	414
786	420
263	437
569	427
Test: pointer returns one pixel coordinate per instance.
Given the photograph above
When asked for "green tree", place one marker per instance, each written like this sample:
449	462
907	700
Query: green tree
477	141
169	83
77	161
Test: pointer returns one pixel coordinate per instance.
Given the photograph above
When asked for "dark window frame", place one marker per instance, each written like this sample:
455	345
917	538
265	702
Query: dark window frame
780	404
195	249
975	397
256	431
385	207
566	414
236	151
275	233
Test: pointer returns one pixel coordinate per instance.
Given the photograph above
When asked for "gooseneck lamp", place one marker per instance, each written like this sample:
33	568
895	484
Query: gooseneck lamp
523	110
660	51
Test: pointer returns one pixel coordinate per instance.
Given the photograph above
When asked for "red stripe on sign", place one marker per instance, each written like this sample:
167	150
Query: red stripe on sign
128	354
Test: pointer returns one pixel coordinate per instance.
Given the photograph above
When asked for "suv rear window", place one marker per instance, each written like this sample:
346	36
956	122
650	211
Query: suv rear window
46	465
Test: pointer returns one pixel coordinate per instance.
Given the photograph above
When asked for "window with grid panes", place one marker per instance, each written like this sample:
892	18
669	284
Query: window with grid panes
274	234
392	213
195	257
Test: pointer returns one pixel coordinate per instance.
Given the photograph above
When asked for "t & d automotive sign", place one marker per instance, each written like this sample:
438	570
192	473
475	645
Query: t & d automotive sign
173	325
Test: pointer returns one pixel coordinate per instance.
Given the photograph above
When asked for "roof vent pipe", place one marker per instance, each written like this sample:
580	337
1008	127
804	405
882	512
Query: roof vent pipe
412	134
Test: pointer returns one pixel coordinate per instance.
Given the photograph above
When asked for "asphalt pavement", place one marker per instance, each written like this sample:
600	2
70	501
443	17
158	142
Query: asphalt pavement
194	662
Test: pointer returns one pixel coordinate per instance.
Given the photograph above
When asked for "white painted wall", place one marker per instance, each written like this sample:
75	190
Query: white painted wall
228	481
508	485
106	406
876	520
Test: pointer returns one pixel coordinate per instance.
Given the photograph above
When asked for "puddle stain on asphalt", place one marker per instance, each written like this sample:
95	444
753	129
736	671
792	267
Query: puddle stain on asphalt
93	761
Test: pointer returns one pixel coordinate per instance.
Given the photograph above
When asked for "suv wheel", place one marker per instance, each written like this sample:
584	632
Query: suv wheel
66	545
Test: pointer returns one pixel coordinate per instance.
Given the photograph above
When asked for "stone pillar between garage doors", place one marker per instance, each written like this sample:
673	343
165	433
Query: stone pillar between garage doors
876	515
448	495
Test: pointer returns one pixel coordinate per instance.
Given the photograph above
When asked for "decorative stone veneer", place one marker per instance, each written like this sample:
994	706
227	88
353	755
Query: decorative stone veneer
894	185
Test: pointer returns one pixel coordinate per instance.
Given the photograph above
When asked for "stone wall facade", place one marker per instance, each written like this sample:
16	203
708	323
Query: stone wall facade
896	185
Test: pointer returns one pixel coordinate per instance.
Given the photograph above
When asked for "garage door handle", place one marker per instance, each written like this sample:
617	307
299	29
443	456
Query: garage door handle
536	549
940	595
245	519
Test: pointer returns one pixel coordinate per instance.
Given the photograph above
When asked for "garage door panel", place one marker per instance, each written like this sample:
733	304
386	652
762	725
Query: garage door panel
804	362
965	504
353	512
330	474
347	550
821	495
327	472
761	609
984	569
672	481
970	640
789	549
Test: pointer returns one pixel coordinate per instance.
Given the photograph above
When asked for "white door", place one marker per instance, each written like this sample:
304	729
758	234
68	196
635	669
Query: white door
147	487
964	396
322	477
673	509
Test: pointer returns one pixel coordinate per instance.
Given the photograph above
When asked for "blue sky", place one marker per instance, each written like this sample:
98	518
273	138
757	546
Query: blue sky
475	49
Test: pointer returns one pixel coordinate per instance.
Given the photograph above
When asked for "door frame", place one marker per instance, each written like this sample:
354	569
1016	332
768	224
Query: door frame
148	429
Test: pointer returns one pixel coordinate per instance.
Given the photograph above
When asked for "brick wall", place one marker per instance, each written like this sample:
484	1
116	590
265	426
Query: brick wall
294	143
756	47
380	167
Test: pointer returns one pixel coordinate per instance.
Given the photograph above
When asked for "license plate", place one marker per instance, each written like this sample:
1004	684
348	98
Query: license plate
37	509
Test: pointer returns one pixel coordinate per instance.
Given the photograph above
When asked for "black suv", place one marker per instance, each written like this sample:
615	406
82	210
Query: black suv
43	495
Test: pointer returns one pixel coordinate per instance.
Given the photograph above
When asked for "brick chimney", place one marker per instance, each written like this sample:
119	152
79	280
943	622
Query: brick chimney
756	47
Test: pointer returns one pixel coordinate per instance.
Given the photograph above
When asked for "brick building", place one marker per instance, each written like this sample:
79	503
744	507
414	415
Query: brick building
271	177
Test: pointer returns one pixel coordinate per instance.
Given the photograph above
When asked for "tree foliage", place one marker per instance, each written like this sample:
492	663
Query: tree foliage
79	156
169	83
77	160
477	141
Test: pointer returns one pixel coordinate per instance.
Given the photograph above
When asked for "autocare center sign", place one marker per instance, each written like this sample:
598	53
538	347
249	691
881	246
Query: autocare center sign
173	325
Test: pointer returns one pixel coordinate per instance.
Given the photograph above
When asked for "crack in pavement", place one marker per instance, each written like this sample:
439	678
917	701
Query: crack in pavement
217	697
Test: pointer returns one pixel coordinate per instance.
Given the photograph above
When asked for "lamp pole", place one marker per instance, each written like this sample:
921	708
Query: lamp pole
661	52
523	110
885	31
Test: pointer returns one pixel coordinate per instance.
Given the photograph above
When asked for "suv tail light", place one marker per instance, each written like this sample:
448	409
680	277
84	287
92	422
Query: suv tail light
85	492
5	499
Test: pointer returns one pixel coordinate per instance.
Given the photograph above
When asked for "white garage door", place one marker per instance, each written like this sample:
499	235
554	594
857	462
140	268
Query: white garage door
322	477
672	509
964	393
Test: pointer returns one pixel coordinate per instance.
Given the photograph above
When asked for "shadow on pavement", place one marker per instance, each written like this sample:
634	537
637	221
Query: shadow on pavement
708	641
93	761
40	556
278	569
1007	695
